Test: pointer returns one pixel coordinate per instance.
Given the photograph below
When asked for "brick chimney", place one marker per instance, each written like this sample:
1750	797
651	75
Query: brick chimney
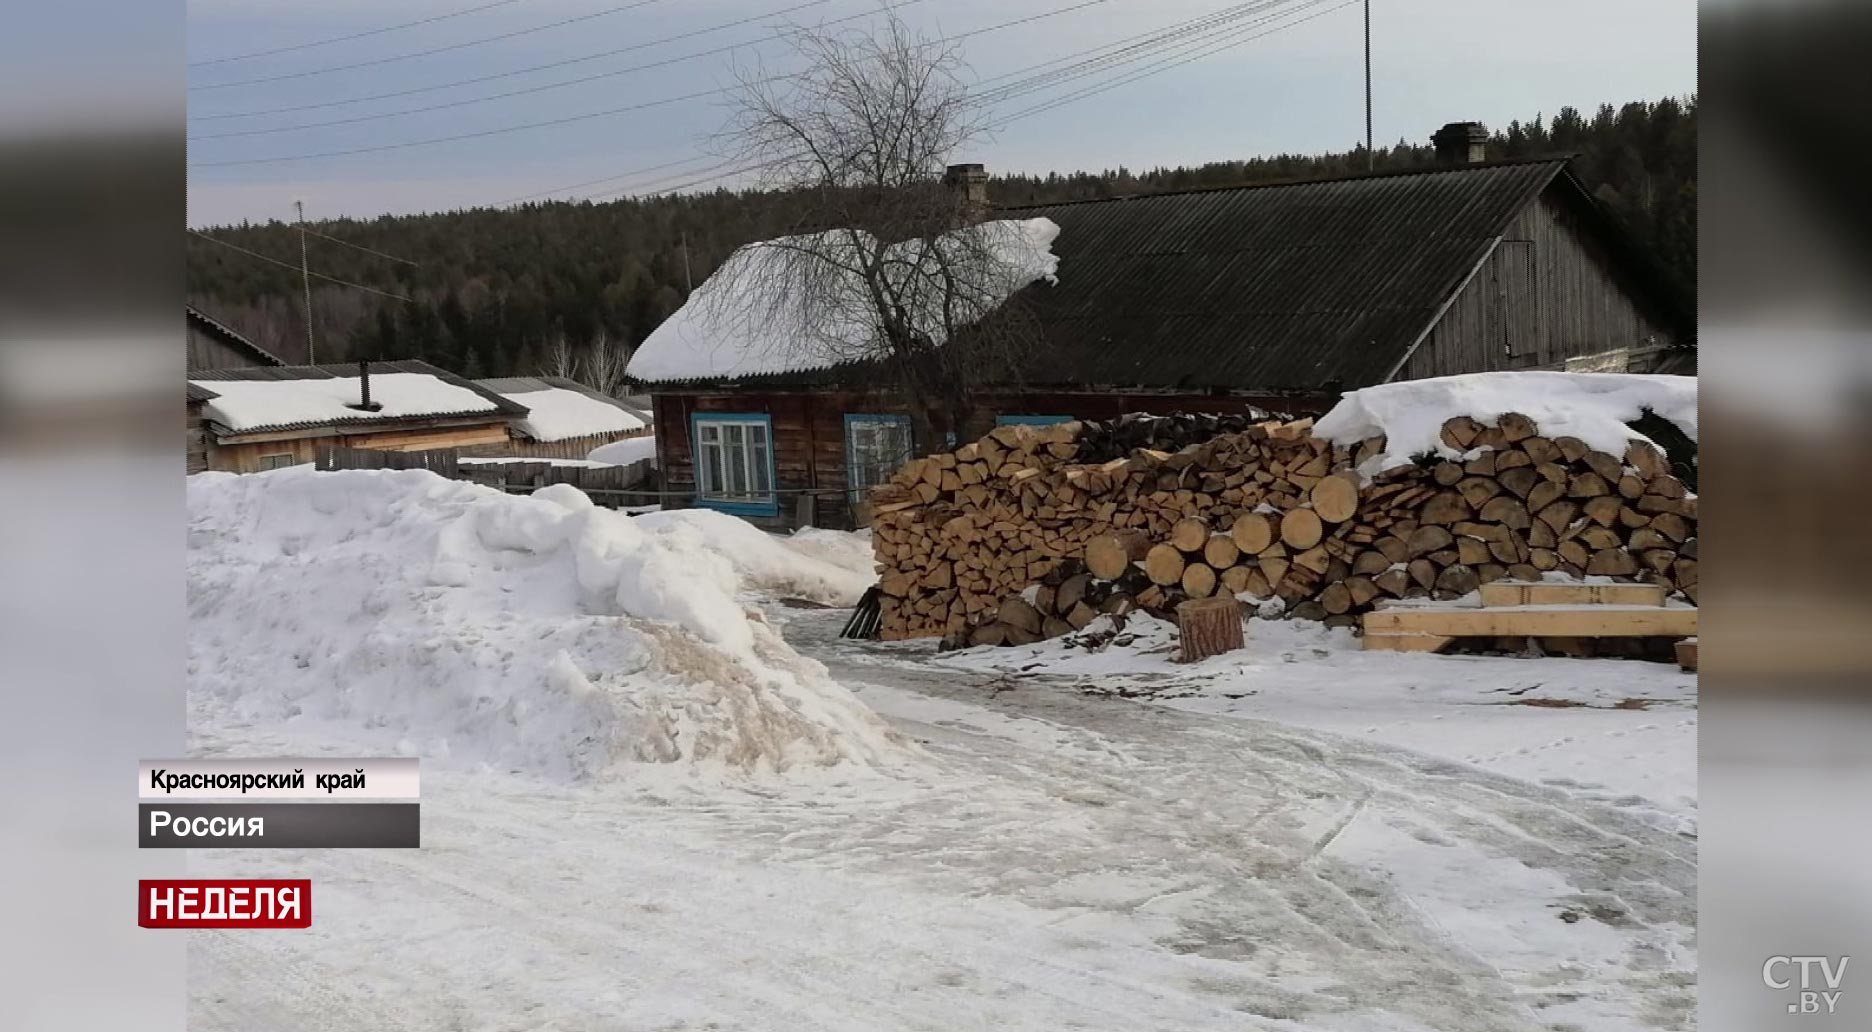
364	404
1461	143
969	184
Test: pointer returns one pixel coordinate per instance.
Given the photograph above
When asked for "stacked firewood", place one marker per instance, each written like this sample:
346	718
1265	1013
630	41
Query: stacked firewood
1016	537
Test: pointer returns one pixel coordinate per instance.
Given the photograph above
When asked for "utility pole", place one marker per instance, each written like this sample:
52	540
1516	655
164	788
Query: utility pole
688	281
1371	158
305	274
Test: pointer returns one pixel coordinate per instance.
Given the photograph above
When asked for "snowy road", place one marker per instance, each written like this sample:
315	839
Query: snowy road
1059	862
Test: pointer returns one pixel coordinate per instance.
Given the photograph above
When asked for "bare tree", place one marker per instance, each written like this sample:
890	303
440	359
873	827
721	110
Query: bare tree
884	263
603	365
557	358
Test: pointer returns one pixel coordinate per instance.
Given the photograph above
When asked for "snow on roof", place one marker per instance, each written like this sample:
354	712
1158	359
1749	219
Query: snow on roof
711	335
626	451
1593	407
556	414
244	405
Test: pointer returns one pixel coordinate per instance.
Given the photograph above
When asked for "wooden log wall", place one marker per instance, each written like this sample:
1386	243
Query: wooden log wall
1012	538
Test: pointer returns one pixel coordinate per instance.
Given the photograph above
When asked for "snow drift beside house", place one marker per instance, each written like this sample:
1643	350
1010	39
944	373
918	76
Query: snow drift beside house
559	414
1594	407
539	634
712	336
252	404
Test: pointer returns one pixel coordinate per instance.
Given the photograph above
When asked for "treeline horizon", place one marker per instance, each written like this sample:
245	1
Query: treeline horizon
494	289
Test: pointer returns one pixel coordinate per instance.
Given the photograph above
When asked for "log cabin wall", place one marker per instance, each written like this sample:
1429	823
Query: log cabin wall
1549	291
809	439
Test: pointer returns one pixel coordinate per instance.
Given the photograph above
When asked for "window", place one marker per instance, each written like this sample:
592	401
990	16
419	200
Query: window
734	463
1031	420
875	446
277	460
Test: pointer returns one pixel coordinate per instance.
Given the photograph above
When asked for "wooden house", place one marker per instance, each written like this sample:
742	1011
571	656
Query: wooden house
262	418
1275	297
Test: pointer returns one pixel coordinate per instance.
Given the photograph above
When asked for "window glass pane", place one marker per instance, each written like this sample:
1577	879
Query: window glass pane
711	470
878	448
736	456
896	446
758	461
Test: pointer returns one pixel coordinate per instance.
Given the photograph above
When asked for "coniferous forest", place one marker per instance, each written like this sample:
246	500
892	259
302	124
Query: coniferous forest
493	289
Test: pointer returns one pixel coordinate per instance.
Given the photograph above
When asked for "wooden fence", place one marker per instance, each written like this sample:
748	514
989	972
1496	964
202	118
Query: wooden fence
614	486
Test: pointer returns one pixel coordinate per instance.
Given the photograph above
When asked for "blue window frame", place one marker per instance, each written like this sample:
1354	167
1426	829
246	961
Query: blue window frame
734	462
1031	420
876	444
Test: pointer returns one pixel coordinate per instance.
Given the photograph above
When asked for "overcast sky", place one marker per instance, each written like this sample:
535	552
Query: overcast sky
1295	88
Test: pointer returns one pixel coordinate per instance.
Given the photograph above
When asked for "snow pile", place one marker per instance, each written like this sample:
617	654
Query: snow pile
1593	407
557	414
763	562
717	333
403	611
625	452
251	404
847	549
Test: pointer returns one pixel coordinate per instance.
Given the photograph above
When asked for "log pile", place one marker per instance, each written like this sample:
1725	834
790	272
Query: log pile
1031	533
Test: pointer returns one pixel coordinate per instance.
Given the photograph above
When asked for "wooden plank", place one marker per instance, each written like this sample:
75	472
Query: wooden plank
1530	593
1589	621
1687	653
1406	642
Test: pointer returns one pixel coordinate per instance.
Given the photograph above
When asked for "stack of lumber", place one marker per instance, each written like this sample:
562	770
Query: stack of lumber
1567	619
968	542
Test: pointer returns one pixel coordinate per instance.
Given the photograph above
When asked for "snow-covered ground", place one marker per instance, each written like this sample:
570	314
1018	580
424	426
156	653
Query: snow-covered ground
1619	732
1304	837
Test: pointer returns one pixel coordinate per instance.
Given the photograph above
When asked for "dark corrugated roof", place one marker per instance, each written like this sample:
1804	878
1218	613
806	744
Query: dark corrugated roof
1300	286
503	407
226	333
197	392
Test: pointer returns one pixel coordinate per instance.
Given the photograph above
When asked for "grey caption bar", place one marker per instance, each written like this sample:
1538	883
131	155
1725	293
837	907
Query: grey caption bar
279	826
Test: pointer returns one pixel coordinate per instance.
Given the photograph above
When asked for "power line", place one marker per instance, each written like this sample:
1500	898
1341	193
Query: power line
587	116
355	35
543	87
360	247
1213	46
1124	52
288	265
1164	66
1021	87
432	50
476	80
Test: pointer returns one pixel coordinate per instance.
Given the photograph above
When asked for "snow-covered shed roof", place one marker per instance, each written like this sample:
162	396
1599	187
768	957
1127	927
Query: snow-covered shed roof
559	408
272	399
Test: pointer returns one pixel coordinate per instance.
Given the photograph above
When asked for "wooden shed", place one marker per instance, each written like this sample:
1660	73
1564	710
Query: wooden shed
263	418
565	419
1275	297
215	345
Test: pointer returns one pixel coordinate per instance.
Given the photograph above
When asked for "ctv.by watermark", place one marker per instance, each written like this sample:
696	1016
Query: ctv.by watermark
1816	979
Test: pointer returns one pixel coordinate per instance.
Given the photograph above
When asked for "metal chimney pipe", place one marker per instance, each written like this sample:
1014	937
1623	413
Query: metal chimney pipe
363	375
